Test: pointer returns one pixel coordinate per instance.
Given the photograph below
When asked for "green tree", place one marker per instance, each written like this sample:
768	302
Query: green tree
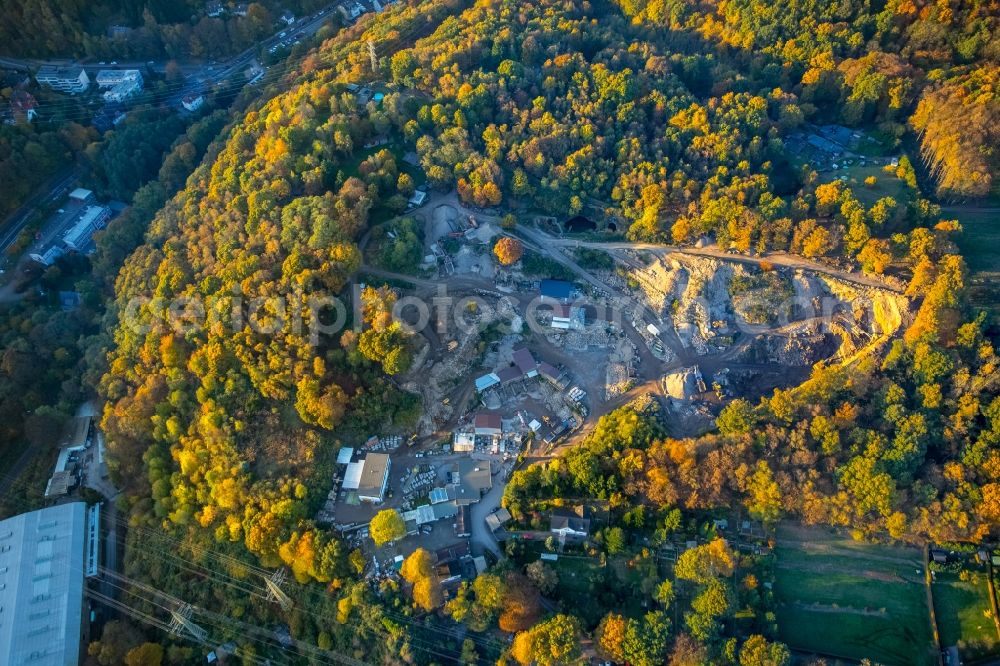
736	418
614	540
758	651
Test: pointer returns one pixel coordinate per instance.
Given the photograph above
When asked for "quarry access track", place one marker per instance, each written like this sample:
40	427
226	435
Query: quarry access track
777	258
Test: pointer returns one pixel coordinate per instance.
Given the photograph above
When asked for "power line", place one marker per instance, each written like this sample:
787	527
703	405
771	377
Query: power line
423	644
228	85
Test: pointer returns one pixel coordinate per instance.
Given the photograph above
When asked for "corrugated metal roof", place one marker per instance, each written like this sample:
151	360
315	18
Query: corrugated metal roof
486	381
352	477
41	586
556	289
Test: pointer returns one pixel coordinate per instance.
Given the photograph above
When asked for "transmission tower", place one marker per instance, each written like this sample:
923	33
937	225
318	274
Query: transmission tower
373	54
274	591
181	623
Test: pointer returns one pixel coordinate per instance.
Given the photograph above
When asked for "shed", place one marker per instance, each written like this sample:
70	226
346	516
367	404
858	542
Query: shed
525	362
463	442
488	423
352	477
508	374
486	381
81	194
558	290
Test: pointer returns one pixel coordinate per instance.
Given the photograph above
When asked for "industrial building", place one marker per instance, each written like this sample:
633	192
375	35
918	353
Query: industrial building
44	558
469	479
488	424
557	291
72	80
76	438
81	234
567	317
369	477
463	442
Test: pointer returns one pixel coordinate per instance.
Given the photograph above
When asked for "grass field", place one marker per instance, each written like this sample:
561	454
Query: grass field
979	243
961	609
886	184
980	239
853	600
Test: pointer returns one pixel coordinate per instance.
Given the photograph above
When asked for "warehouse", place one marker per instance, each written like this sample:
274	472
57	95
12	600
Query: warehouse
41	586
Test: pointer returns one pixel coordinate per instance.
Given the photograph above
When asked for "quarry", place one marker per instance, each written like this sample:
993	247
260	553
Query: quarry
693	327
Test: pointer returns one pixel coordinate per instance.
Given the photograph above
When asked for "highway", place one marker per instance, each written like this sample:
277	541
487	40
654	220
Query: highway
307	25
198	77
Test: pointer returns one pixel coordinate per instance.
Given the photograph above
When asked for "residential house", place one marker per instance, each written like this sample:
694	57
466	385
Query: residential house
108	78
192	101
71	80
121	83
570	523
23	106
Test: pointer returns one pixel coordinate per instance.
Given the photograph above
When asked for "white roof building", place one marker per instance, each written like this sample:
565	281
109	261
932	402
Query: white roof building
81	234
418	199
106	78
463	442
192	102
352	475
123	90
66	79
81	194
41	586
48	257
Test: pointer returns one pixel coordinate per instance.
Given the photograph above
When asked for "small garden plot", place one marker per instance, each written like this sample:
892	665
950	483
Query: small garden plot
962	609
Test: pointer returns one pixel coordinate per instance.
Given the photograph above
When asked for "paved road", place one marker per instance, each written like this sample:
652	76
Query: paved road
49	191
482	537
308	25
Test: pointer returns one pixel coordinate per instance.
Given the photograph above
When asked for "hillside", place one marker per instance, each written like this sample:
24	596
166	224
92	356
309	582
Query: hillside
665	122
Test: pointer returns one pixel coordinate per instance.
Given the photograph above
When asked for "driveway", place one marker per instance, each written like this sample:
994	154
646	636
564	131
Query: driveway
482	537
